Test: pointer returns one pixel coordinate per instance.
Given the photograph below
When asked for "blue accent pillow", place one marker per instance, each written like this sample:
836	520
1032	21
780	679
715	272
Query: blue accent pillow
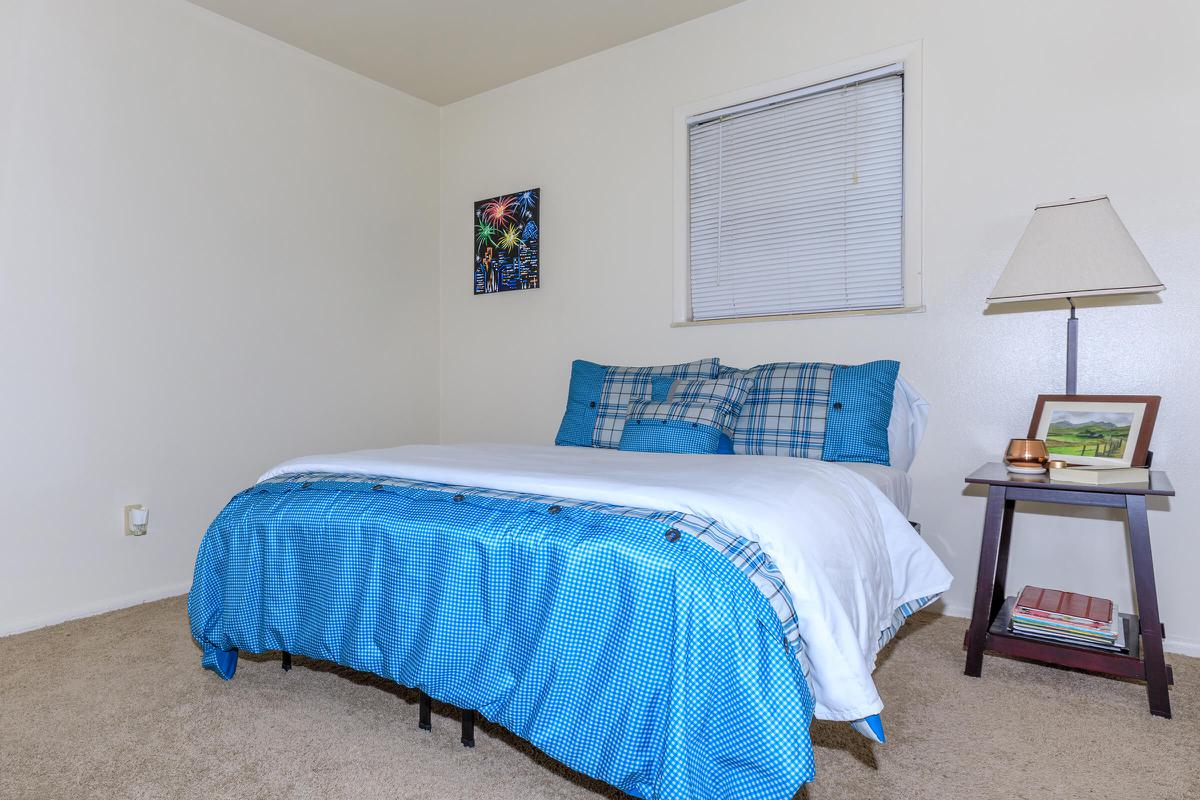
669	436
860	407
599	396
579	421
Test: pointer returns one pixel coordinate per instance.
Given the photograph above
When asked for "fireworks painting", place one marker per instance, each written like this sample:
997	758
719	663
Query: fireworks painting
507	234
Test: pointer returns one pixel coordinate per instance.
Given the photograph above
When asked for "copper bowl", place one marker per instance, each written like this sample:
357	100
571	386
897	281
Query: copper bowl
1026	453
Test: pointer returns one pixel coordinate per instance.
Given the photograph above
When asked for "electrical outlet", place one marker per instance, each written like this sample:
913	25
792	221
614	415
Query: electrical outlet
137	519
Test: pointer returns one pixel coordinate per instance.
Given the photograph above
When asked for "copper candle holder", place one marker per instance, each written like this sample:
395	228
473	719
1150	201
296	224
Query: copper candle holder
1026	456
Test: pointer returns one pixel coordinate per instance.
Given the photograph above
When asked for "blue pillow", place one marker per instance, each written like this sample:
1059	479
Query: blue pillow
860	407
667	436
699	418
579	421
599	396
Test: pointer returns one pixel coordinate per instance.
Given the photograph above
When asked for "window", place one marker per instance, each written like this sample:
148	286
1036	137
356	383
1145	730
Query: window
795	202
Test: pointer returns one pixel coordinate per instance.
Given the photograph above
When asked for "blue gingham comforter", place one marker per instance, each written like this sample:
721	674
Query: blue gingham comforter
649	649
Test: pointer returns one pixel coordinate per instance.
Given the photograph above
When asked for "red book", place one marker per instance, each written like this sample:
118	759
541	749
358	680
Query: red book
1053	601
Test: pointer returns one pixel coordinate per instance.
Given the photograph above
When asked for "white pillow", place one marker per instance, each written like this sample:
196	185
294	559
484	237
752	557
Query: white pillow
906	427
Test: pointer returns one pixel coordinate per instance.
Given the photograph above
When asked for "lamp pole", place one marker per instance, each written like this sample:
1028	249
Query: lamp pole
1072	348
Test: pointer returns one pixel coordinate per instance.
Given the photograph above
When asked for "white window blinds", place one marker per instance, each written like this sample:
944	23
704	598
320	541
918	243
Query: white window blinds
795	201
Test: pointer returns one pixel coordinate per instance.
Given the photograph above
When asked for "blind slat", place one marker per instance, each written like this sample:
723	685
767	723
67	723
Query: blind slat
798	206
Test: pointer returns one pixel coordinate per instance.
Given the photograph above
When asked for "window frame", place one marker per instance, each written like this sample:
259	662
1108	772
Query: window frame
909	57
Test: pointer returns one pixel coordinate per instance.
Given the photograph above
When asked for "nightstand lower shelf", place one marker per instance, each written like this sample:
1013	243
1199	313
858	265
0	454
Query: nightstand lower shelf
1127	665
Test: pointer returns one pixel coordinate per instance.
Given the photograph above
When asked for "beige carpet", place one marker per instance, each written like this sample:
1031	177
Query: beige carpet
117	706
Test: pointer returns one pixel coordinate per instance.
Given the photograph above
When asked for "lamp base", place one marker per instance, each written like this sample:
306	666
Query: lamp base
1072	349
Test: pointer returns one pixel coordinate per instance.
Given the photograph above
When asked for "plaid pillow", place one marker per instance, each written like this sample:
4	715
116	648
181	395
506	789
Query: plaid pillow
580	420
623	384
725	395
698	418
786	410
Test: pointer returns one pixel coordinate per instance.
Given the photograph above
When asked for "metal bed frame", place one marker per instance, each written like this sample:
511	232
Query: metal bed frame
424	711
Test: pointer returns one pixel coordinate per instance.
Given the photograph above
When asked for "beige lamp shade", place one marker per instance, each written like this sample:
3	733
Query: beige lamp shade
1074	248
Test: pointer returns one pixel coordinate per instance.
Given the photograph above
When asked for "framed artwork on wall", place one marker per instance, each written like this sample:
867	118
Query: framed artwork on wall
1097	430
507	238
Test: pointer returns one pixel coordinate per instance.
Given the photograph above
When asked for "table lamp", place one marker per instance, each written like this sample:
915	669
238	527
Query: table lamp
1074	248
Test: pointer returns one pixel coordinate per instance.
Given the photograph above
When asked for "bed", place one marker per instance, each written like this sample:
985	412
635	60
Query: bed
894	483
667	623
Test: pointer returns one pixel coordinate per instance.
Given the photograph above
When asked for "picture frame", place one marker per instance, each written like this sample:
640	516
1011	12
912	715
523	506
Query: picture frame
508	234
1096	429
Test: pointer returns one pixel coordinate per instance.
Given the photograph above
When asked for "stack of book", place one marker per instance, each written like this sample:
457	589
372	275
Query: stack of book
1069	618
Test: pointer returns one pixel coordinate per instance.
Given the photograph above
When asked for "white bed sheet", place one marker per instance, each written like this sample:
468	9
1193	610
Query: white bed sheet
845	587
894	482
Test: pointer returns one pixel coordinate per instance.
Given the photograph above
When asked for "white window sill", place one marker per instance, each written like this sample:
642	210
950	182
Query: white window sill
863	312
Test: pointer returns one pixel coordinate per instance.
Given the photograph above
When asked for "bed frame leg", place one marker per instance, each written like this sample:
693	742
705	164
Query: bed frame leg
468	728
287	661
424	718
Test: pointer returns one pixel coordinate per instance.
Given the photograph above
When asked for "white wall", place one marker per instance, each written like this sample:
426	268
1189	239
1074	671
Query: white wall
1023	102
216	252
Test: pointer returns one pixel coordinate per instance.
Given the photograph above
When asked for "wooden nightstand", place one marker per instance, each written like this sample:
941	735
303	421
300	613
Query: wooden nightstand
991	612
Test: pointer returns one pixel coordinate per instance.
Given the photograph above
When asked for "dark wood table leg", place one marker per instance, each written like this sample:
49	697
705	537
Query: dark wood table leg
985	581
1147	599
998	585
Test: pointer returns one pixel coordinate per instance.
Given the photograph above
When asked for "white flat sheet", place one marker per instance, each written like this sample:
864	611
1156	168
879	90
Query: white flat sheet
894	482
848	555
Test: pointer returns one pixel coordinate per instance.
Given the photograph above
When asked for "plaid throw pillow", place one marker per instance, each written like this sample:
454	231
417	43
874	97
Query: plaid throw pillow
785	413
624	384
698	418
725	395
580	420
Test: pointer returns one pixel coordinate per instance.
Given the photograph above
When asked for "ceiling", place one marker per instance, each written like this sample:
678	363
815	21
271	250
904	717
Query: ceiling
445	50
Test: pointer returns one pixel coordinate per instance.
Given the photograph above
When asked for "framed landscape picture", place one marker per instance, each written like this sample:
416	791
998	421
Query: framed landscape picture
507	242
1097	430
